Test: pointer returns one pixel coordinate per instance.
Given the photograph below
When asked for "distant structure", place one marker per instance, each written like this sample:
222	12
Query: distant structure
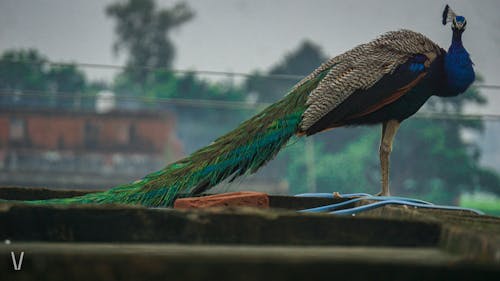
83	149
105	102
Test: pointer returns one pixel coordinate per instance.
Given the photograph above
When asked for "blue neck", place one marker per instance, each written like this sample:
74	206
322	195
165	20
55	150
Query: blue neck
458	66
456	40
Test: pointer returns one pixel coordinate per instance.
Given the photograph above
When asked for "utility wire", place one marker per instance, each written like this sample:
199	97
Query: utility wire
293	77
220	104
161	69
207	103
487	86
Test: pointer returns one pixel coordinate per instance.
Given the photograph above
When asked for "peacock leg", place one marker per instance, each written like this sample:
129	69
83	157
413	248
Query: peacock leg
389	130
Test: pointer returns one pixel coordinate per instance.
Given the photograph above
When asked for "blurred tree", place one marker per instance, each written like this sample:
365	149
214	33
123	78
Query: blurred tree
142	30
343	171
68	83
432	157
22	71
302	61
28	80
209	116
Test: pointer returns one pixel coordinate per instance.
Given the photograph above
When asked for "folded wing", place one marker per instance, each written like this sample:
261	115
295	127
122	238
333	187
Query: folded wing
367	77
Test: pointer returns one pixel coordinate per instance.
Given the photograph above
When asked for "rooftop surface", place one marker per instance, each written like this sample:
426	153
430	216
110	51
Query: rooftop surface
135	243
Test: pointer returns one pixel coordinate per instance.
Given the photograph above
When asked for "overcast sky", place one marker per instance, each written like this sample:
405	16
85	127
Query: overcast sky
244	35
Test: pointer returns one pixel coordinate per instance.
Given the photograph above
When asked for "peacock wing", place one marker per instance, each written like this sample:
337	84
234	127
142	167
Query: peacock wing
361	68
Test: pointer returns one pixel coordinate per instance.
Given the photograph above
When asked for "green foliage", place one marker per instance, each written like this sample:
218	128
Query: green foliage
189	86
431	158
27	80
343	171
486	202
197	104
142	30
302	61
198	117
23	70
66	81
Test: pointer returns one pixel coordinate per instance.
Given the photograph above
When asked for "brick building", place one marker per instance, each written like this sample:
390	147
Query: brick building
83	149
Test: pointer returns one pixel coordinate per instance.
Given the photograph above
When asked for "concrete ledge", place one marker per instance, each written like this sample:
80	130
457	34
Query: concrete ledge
227	225
60	261
39	193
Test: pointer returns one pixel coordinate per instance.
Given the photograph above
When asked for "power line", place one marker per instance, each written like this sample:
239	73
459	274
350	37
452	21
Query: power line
294	77
220	104
486	86
207	103
161	69
455	116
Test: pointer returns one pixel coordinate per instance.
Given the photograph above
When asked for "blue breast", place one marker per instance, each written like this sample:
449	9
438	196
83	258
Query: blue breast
458	67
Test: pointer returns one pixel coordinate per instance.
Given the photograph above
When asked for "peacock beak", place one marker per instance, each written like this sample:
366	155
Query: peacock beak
459	25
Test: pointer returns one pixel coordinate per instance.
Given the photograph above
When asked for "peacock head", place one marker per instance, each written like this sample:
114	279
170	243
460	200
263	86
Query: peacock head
458	23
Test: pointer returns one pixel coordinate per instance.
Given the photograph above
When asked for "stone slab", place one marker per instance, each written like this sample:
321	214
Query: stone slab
82	261
97	223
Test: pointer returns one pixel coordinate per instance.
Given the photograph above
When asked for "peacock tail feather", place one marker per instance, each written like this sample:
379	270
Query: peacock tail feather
241	151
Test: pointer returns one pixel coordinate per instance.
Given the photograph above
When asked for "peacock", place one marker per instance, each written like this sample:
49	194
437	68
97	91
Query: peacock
384	81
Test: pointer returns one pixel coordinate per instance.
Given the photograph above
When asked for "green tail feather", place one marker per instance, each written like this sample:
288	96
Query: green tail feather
241	151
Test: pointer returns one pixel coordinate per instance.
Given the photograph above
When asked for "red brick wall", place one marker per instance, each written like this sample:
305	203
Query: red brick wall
4	130
113	131
45	130
155	131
